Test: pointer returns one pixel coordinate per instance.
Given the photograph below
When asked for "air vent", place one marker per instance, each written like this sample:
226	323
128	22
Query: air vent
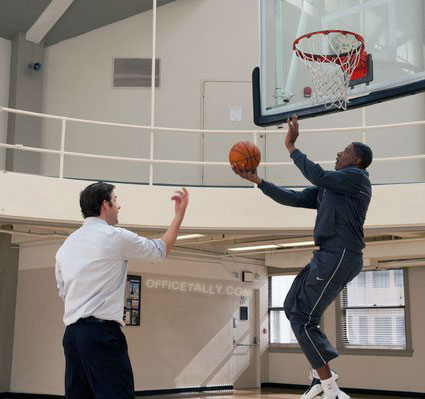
135	72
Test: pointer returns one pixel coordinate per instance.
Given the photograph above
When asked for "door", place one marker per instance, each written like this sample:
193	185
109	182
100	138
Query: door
246	353
226	105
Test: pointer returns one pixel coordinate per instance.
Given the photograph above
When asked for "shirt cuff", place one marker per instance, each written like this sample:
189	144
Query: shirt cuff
296	153
161	247
262	184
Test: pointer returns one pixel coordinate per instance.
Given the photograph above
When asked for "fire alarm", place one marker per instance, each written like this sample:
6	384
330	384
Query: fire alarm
247	277
307	91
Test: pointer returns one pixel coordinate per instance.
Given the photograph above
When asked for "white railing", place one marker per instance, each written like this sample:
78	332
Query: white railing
152	129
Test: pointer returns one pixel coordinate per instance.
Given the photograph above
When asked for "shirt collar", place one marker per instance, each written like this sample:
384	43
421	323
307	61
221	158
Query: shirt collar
93	220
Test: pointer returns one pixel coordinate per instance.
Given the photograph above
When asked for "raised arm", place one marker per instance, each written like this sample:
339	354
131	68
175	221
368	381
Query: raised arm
134	246
347	180
181	199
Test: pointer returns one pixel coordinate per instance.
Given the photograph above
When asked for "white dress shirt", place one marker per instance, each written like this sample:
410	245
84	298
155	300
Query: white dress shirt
91	269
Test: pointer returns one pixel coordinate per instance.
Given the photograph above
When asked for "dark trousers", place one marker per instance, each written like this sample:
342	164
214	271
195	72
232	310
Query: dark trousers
312	291
97	362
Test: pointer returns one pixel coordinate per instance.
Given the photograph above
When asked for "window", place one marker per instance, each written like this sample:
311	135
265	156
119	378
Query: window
380	279
279	327
361	280
372	312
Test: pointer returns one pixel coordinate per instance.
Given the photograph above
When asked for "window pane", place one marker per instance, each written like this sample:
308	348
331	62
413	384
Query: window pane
383	330
361	280
375	328
280	287
381	279
401	331
379	289
398	278
363	327
280	329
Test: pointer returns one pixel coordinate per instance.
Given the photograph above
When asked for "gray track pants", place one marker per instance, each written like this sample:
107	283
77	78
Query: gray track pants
312	291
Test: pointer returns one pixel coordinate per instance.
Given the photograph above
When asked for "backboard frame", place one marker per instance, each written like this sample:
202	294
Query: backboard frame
358	102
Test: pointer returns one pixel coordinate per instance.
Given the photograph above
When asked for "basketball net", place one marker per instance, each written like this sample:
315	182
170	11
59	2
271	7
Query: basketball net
331	58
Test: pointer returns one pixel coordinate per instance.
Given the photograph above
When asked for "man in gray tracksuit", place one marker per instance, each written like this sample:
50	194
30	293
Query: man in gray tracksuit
341	198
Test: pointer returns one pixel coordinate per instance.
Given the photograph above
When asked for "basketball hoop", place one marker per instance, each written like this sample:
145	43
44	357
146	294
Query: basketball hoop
332	57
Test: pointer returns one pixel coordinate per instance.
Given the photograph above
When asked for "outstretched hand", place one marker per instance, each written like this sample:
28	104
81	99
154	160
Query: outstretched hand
292	135
181	199
251	176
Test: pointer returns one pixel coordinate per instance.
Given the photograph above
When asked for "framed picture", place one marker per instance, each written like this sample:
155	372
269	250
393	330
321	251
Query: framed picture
132	301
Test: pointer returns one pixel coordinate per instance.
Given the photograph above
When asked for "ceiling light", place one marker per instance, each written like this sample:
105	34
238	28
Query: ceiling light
273	246
268	246
189	236
296	244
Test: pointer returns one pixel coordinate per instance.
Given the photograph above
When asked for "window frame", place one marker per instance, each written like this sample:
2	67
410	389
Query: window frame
408	352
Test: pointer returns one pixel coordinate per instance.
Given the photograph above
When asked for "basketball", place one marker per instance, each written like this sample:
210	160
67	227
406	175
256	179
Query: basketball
245	154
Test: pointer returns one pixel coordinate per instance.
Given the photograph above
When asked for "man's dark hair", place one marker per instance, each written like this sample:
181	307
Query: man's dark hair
92	197
364	152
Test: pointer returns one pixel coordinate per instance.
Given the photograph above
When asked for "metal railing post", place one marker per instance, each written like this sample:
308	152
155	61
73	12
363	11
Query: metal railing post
62	150
364	125
151	154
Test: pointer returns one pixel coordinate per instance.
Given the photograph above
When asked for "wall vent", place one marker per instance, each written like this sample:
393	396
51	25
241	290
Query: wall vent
134	72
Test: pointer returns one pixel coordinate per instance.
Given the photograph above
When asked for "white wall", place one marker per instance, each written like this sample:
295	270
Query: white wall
5	51
191	348
196	41
223	209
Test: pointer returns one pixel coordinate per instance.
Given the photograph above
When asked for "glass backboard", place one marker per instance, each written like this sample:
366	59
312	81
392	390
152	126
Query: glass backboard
393	32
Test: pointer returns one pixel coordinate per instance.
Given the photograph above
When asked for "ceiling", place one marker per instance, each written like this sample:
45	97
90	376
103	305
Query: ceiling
82	16
209	246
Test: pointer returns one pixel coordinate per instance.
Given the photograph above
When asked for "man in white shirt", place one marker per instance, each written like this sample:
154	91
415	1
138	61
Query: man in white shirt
91	274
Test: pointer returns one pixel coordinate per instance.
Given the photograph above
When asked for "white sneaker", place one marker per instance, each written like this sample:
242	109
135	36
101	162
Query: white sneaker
315	387
341	395
313	390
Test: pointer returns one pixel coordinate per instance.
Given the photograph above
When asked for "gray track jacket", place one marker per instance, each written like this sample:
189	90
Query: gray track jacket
340	197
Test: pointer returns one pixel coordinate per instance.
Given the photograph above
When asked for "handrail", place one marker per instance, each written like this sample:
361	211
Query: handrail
187	130
152	129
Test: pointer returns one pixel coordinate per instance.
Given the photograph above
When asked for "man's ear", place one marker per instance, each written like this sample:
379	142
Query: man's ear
105	206
358	162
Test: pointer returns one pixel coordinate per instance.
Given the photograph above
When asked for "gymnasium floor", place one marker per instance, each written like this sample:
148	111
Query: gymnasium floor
264	393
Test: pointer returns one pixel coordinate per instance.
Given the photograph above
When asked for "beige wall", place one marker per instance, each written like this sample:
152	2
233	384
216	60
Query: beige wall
8	294
188	336
392	206
196	40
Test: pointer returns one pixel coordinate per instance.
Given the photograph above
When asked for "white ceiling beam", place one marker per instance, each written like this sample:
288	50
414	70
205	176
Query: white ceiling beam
47	20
